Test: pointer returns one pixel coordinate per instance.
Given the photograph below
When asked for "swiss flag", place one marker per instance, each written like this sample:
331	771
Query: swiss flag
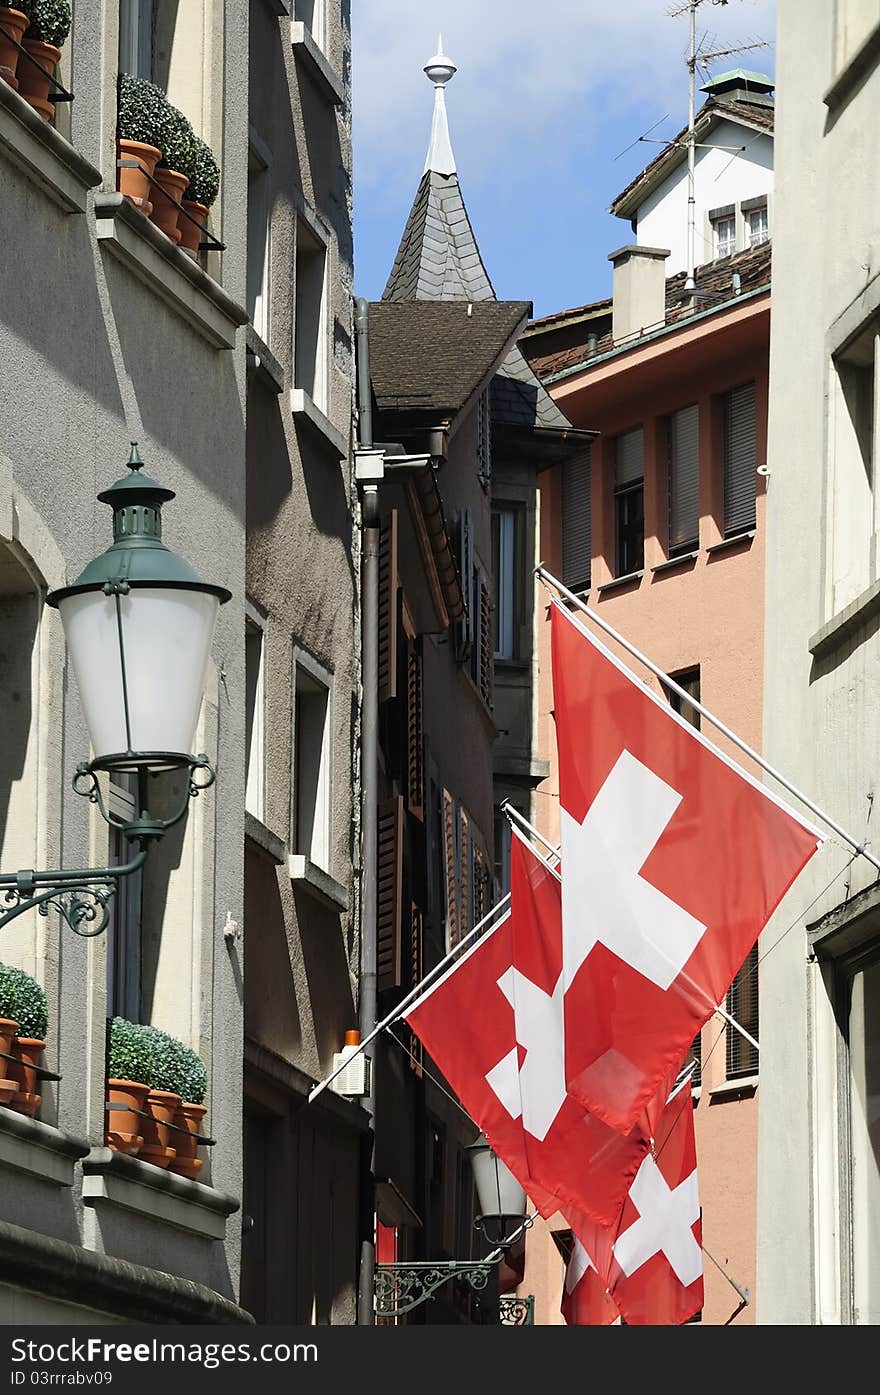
674	861
493	1024
585	1300
651	1260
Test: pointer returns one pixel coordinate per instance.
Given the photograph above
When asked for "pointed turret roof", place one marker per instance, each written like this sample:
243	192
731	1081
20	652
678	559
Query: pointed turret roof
439	259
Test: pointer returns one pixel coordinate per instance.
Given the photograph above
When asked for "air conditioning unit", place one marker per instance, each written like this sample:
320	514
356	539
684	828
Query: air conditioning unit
354	1078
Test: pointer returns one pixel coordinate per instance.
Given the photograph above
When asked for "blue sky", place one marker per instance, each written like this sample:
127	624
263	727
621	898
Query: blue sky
545	99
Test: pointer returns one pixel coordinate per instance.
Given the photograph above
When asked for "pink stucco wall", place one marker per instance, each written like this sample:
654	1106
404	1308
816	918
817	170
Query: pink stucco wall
708	611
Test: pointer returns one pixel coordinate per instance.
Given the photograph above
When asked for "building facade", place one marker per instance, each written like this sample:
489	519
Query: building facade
819	1183
135	340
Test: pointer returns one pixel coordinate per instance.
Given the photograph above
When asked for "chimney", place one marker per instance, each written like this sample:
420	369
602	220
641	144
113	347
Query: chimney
639	301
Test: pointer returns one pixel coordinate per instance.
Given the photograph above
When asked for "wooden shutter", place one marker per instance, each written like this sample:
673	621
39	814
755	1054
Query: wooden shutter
683	479
481	884
388	588
629	461
417	973
464	875
486	645
464	628
415	758
740	459
389	893
576	522
696	1054
742	1004
450	863
484	437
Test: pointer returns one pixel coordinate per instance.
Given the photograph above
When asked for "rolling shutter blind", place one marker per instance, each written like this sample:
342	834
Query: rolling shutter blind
742	1004
740	459
576	522
389	893
388	586
629	466
684	499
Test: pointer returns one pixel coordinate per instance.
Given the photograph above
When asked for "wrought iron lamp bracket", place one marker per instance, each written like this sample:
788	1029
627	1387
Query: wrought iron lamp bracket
401	1287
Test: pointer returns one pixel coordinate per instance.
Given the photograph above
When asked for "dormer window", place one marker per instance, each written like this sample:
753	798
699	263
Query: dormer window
724	235
757	229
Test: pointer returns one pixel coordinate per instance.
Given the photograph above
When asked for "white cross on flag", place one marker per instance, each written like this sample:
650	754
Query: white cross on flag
493	1025
585	1300
674	860
650	1262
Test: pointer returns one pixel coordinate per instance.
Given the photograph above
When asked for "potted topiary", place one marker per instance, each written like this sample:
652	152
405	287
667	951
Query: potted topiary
143	125
204	185
129	1066
22	999
172	173
189	1116
13	23
166	1080
49	27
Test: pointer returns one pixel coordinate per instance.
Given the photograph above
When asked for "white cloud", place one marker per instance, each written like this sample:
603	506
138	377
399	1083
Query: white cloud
534	80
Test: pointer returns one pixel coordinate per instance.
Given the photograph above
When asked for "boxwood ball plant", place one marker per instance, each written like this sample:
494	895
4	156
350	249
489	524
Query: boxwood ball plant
204	181
129	1051
22	999
143	112
49	20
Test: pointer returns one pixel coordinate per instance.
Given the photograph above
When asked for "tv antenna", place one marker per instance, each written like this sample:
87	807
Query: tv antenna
695	57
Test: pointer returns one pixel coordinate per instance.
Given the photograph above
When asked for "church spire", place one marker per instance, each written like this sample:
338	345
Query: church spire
440	70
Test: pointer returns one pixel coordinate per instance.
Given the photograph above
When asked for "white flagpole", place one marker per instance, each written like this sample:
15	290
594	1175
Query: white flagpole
720	1012
543	575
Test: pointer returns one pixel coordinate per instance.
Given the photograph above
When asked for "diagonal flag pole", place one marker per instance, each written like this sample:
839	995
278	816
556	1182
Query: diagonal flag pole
551	581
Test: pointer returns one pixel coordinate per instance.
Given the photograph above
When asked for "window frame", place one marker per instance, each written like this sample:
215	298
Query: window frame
324	797
255	722
260	312
729	219
504	580
308	227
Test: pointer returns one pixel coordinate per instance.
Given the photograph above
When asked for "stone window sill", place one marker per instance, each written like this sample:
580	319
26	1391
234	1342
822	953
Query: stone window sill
318	883
138	244
307	411
735	541
258	833
305	48
115	1179
27	1145
686	559
731	1089
44	154
618	582
846	623
263	361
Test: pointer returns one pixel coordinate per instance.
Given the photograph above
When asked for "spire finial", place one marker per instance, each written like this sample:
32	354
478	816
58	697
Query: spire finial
440	70
134	461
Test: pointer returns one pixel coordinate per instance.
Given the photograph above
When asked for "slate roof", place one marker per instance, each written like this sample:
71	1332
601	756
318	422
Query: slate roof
429	355
749	114
714	280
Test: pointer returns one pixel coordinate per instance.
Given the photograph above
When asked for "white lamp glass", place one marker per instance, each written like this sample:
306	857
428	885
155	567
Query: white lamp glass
498	1191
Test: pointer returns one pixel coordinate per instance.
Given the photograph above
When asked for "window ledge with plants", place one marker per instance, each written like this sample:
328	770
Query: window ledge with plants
318	883
27	1145
306	410
321	72
112	1178
156	224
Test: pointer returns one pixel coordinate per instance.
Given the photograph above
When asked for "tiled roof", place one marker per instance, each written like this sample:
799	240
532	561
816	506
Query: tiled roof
430	355
712	111
714	285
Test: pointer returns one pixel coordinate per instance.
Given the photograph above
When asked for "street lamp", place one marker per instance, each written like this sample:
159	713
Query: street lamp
401	1287
139	623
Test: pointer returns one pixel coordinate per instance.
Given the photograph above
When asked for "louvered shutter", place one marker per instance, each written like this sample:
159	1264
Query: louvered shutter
417	973
450	861
576	522
486	656
742	1004
387	607
481	885
740	459
464	874
415	762
696	1054
484	437
683	477
629	462
464	628
389	893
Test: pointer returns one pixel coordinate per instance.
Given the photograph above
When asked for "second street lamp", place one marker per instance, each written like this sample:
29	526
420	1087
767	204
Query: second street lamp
139	624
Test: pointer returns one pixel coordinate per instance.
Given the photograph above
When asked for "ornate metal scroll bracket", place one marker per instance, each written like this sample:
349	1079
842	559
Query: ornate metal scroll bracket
401	1287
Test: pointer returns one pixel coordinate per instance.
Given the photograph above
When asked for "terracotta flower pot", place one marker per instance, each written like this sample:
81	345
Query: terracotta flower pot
124	1131
188	1117
8	1030
33	84
158	1148
7	1090
133	182
165	200
13	23
24	1073
190	235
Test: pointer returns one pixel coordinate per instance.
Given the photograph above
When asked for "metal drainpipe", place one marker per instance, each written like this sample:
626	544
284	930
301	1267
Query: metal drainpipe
369	805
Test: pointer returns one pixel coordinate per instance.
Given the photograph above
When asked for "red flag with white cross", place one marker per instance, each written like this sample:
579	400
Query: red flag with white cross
650	1262
493	1025
585	1300
674	860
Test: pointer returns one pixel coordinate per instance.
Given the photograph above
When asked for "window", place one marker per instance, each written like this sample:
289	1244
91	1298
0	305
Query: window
683	480
689	680
484	438
696	1054
310	325
504	582
312	716
629	503
862	997
757	228
465	871
576	531
124	930
258	240
503	836
311	13
742	1004
254	712
740	460
853	434
152	33
724	236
